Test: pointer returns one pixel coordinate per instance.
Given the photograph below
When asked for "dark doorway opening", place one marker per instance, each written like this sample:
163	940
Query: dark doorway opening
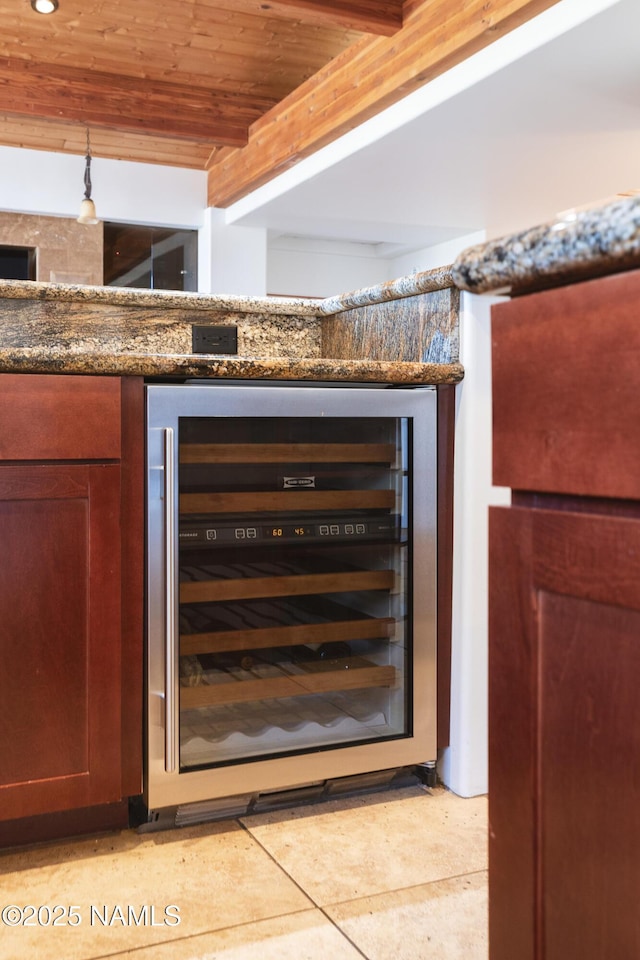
17	263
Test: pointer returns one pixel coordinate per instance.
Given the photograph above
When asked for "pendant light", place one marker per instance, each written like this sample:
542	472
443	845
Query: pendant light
88	207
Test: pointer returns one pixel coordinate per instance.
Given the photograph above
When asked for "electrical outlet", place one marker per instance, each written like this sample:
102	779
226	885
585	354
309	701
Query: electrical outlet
214	339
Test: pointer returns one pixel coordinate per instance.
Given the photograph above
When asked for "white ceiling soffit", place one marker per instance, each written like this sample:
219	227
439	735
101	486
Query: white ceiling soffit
546	118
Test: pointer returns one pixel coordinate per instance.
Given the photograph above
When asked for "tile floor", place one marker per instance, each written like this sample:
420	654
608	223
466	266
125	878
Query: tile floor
397	875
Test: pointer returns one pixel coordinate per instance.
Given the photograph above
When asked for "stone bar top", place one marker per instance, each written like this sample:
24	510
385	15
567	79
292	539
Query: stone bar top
427	281
177	299
205	366
414	284
583	245
403	332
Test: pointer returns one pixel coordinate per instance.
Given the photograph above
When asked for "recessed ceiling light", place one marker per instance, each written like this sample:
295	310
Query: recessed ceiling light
44	6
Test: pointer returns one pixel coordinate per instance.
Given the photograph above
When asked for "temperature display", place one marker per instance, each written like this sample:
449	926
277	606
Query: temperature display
288	531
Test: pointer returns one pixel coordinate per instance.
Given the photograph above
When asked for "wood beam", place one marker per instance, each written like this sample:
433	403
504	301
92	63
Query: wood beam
367	77
367	16
104	100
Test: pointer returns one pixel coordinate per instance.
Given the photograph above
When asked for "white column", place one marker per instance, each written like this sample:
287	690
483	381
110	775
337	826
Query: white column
463	767
231	259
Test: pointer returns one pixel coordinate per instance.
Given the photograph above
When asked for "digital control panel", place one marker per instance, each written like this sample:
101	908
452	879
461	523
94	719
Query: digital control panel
206	533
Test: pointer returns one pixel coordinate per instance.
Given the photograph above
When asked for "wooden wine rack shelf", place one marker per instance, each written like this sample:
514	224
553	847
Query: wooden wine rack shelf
352	673
288	501
287	453
288	677
226	641
201	591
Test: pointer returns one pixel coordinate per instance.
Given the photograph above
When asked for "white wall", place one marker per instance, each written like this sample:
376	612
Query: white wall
305	267
34	181
429	258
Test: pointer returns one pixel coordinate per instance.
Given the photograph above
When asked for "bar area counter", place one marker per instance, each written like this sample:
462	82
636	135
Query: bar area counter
404	332
73	489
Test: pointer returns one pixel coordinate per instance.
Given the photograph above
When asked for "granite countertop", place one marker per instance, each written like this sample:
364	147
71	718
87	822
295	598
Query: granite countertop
587	244
64	328
424	281
164	299
207	366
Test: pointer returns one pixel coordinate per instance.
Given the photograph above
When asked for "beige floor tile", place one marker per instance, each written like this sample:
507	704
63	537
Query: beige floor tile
299	936
446	920
366	845
216	874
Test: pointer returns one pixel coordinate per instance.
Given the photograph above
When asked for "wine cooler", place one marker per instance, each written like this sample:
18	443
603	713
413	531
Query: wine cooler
291	541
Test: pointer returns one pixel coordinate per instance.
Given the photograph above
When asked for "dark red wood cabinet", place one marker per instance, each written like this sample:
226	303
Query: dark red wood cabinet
71	530
564	730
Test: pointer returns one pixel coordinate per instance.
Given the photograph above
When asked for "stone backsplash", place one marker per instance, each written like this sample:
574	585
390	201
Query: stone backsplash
105	328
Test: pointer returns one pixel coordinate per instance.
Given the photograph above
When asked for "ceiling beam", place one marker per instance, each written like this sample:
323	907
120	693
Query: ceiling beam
107	101
370	75
367	16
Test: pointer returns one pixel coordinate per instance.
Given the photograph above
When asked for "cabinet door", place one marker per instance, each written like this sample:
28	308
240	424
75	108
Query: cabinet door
59	637
564	735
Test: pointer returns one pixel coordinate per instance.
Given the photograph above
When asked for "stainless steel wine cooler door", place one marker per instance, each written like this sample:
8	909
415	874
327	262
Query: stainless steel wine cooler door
291	588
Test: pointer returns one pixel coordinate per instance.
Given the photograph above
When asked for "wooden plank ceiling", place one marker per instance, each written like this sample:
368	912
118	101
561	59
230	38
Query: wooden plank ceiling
242	88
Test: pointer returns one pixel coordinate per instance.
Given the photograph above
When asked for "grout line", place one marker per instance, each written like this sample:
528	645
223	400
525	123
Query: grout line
411	886
342	933
317	906
160	945
279	866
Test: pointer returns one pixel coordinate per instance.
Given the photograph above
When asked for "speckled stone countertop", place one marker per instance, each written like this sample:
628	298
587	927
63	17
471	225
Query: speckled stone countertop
60	360
412	285
598	241
427	281
60	328
128	296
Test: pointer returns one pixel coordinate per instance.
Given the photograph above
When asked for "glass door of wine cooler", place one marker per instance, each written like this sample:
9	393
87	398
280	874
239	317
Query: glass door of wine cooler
296	586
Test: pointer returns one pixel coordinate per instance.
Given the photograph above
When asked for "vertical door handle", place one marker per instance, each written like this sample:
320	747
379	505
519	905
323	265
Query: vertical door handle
171	692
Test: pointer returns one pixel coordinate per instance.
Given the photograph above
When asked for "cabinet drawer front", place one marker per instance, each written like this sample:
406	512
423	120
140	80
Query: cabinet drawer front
48	417
566	390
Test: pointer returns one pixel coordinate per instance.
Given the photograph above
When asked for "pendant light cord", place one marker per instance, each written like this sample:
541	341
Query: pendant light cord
87	170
